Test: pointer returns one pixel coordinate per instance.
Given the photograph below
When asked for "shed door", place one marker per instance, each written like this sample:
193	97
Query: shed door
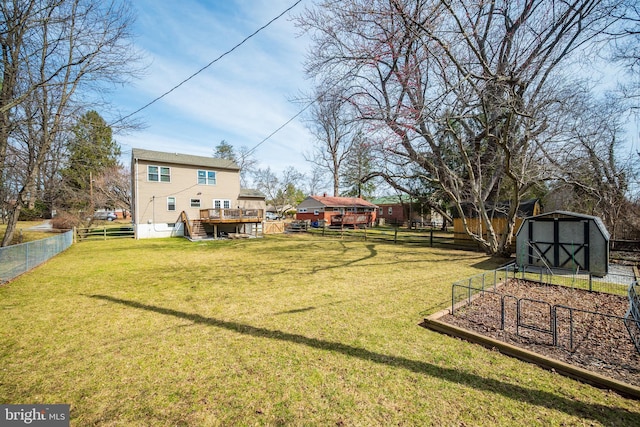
559	243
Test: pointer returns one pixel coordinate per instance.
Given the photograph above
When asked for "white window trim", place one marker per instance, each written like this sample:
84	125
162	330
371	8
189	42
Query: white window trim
224	203
160	174
175	207
206	177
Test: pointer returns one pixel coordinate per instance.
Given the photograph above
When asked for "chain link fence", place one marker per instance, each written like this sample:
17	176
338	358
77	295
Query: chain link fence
18	259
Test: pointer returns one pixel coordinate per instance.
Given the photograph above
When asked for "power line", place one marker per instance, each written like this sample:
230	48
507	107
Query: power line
208	65
309	104
255	147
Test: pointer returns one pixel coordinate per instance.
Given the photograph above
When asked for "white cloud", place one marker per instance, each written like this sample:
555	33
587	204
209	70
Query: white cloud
242	98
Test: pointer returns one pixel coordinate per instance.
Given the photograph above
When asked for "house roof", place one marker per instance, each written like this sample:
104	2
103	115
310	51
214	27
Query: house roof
183	159
285	208
526	208
249	193
340	202
393	200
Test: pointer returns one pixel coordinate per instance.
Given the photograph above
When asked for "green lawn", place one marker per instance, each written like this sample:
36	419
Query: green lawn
285	330
23	234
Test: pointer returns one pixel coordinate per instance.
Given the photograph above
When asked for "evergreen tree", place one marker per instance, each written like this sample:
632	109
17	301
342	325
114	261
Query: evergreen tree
224	150
92	150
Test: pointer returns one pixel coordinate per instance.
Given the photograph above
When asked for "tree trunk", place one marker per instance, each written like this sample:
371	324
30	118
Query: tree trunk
12	223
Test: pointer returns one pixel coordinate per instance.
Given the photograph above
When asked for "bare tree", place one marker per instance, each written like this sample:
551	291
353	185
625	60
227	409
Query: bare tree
112	188
333	127
592	173
316	181
625	38
282	192
55	54
464	90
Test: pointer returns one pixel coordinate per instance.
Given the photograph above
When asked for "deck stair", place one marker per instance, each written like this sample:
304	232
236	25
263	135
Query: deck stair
197	231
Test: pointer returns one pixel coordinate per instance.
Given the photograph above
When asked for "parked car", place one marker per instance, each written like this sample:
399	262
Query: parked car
105	216
271	216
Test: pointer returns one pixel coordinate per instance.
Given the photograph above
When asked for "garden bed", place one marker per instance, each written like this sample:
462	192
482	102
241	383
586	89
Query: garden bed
598	343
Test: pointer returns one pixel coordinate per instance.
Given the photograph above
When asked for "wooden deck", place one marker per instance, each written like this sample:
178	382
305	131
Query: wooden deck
231	216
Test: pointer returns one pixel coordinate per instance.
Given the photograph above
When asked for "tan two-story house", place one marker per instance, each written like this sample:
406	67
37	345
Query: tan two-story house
177	194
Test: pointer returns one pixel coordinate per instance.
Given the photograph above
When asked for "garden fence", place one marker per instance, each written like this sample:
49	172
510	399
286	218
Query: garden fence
18	259
561	324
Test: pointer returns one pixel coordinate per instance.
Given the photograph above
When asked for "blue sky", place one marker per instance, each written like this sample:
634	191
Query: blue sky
242	98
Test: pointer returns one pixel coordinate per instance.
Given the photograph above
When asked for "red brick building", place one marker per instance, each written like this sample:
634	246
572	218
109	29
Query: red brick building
320	209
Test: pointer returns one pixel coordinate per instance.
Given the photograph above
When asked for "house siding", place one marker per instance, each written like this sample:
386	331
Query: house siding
397	215
316	208
150	211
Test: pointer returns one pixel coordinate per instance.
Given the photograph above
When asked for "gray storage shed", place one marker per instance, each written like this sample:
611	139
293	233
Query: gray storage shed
564	240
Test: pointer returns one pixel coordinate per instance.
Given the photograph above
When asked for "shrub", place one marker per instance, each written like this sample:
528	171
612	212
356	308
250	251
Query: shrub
65	221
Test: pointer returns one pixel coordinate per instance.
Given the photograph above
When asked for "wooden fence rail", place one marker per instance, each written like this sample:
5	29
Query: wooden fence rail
104	233
427	237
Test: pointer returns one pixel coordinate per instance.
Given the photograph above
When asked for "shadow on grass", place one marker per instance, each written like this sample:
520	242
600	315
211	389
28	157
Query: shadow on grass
295	310
492	263
373	252
599	413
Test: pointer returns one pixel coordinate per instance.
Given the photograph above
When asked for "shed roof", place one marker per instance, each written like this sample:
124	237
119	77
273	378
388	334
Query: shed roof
183	159
566	214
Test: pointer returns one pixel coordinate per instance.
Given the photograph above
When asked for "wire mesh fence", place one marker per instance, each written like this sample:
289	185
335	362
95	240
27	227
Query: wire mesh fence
18	259
616	282
592	308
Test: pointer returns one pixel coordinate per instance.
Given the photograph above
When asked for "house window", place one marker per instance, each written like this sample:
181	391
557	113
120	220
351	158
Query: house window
222	204
316	212
206	177
195	203
302	210
390	210
171	203
381	211
158	173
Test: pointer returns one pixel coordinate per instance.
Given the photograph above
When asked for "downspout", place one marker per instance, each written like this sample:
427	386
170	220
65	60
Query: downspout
153	213
135	202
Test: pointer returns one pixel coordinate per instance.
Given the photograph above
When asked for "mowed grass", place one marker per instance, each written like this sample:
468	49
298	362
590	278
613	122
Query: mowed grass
23	234
285	330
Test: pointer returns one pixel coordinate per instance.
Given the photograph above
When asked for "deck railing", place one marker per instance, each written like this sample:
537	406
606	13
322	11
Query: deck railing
185	219
232	214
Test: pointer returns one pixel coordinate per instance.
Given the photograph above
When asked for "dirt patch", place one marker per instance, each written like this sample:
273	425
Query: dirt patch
521	313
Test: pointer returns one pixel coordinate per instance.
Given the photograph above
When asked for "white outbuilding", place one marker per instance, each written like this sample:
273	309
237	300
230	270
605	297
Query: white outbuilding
564	240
